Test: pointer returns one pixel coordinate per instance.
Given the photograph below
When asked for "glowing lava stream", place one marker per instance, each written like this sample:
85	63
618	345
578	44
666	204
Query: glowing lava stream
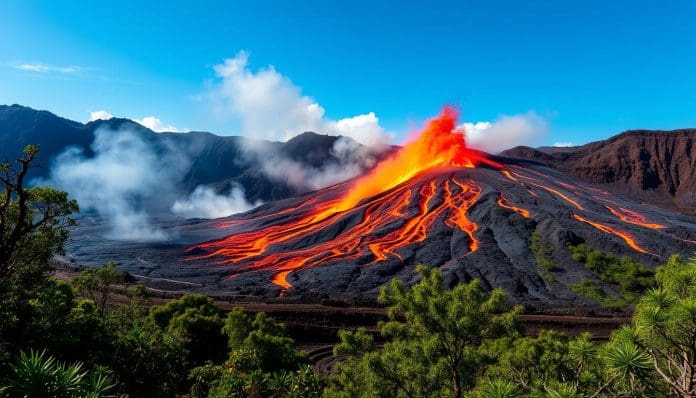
438	145
632	217
607	229
539	184
504	203
353	242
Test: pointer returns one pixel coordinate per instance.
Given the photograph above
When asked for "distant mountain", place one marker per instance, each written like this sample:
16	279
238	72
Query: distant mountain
656	166
218	161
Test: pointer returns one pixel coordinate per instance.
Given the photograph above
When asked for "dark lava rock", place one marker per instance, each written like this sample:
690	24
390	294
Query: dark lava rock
503	257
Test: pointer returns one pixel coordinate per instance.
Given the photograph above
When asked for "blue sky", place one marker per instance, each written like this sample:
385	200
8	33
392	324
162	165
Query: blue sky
587	69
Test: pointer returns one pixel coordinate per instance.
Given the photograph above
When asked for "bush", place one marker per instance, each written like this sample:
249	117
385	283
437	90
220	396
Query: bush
37	375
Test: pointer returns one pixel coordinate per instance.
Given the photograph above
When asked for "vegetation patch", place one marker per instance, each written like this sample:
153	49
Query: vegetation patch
589	290
543	254
626	276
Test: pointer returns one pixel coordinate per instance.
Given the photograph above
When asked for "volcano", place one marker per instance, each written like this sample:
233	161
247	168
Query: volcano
434	202
439	203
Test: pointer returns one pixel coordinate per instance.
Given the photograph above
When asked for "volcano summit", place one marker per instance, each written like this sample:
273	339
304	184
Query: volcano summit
434	201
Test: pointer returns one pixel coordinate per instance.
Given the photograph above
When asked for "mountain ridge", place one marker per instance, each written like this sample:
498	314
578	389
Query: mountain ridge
219	161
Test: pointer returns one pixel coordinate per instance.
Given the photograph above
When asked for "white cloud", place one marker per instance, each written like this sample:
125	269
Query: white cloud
270	106
562	144
156	125
99	115
43	68
506	132
33	67
204	202
150	122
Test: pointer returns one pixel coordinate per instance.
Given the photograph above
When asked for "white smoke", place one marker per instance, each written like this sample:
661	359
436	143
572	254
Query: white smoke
528	129
268	105
128	180
124	173
204	202
350	159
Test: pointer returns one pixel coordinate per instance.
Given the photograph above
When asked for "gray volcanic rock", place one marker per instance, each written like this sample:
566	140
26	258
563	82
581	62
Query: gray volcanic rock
412	223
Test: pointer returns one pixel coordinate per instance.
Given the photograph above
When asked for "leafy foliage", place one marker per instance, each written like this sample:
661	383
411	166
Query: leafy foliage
97	284
260	343
38	375
197	322
33	221
436	341
664	325
302	383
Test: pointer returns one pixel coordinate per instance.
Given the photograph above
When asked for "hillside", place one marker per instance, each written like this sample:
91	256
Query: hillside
654	166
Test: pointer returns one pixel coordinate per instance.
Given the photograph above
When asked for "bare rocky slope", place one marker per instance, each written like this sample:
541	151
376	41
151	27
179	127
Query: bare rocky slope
656	166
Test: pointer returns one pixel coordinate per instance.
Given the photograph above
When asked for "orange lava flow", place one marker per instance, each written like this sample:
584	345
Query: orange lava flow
607	229
363	238
383	212
504	203
560	194
437	145
508	175
461	208
556	192
632	217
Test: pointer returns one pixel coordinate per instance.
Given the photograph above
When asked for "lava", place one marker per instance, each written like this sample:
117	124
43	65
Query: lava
560	194
632	217
504	203
610	230
437	145
383	196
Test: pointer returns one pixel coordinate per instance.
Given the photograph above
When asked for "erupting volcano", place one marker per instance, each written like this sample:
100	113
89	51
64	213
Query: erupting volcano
438	202
437	146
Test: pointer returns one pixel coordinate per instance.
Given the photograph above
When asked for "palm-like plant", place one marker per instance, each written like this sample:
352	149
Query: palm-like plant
37	375
498	388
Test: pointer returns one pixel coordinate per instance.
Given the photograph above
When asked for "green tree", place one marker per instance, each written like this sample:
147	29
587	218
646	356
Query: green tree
553	364
665	325
260	343
97	284
263	362
33	221
195	319
436	341
33	227
148	361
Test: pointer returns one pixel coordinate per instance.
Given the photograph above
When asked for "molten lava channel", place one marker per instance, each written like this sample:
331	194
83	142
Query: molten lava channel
632	217
613	231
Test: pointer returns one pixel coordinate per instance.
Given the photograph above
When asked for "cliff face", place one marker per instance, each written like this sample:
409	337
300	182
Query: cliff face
655	166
